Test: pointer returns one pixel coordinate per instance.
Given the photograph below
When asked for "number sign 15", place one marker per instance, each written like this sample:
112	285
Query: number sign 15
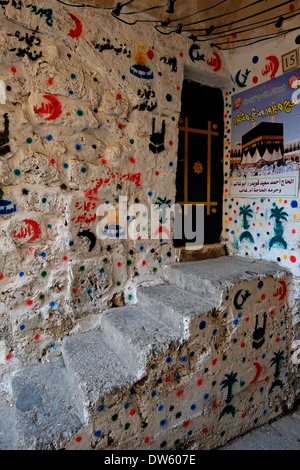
290	60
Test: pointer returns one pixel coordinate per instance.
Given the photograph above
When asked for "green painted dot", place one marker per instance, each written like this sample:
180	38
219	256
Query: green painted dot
82	268
101	270
44	200
297	40
71	243
153	366
17	172
130	297
224	357
169	97
73	76
192	354
154	270
178	415
42	296
222	433
29	140
119	283
131	141
129	262
230	206
83	169
116	199
242	383
127	426
79	112
49	226
44	274
177	442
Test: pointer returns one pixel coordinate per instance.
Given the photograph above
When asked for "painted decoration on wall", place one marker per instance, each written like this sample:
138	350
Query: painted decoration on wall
265	147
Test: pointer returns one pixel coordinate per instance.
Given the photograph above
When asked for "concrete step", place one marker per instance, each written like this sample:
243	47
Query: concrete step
94	367
47	411
137	334
174	306
8	435
210	278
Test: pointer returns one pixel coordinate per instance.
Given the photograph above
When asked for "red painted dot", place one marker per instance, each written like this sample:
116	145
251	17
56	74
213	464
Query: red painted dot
293	259
104	161
294	231
247	319
1	277
181	54
272	313
277	340
186	423
263	297
132	160
147	440
243	415
180	393
255	79
215	404
200	382
171	142
119	96
29	302
214	362
243	345
120	125
52	161
157	173
168	379
205	430
50	81
178	88
132	412
267	379
78	439
65	258
74	291
263	246
37	337
144	263
13	69
285	201
119	264
292	7
8	357
150	54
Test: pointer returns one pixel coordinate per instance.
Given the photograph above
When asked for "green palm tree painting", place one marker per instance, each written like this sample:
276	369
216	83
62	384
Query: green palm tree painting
228	382
278	214
276	360
247	213
162	203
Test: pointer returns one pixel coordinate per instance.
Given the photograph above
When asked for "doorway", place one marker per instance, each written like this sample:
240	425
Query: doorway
199	178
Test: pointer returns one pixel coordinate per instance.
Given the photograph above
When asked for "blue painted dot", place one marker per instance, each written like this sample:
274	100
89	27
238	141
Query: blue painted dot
286	374
235	322
132	391
215	332
184	359
78	147
171	164
98	433
52	304
150	193
235	221
71	92
202	325
178	377
106	202
235	340
128	217
240	315
189	433
265	412
193	406
160	408
255	59
160	260
169	359
294	204
21	274
22	327
52	345
253	203
49	137
44	254
283	338
258	234
101	408
260	284
163	422
90	291
66	165
141	248
263	356
206	396
281	323
126	406
261	389
153	394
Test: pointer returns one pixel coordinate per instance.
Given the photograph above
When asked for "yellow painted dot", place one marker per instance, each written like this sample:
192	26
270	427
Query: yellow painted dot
238	230
260	223
226	221
285	257
246	247
295	217
280	200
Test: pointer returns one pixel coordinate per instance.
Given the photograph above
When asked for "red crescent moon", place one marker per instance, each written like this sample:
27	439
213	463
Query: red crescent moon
162	230
75	33
36	229
219	63
283	295
258	372
275	62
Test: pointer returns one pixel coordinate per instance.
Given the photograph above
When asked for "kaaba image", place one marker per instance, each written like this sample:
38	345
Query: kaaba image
263	145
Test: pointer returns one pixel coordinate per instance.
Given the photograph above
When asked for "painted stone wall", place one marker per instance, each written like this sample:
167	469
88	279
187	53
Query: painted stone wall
88	113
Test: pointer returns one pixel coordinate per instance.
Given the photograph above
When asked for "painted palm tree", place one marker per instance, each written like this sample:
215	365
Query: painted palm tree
162	203
276	360
278	214
228	382
246	212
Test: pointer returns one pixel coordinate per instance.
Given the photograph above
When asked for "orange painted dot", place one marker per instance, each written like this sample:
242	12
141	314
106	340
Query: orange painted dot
200	382
180	393
8	357
78	439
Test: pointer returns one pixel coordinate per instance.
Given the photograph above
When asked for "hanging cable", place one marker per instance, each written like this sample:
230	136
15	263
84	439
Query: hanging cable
143	11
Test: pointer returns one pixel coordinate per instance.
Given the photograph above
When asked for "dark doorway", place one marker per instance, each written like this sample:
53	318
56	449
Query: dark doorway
199	177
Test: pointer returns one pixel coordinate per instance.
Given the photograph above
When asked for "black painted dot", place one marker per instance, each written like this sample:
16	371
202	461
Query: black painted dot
94	146
214	383
278	259
63	186
25	191
152	251
251	399
95	111
171	408
8	88
255	421
163	444
95	79
131	252
110	441
144	425
169	254
69	55
206	370
136	273
114	417
108	247
136	200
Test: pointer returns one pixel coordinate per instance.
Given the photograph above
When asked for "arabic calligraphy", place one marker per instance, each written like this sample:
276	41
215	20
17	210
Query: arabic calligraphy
47	12
31	41
17	6
286	106
195	54
53	108
5	204
32	230
148	104
172	61
283	185
215	62
120	49
272	66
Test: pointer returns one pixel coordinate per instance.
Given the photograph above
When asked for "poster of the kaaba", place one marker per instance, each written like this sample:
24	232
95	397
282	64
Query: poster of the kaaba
265	140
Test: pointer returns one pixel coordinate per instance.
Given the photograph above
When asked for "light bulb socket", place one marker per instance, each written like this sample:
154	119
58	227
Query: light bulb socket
170	7
117	10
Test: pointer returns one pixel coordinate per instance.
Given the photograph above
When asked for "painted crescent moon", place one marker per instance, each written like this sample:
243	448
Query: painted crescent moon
36	229
258	372
284	290
56	107
90	236
216	62
162	229
239	83
273	59
76	32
